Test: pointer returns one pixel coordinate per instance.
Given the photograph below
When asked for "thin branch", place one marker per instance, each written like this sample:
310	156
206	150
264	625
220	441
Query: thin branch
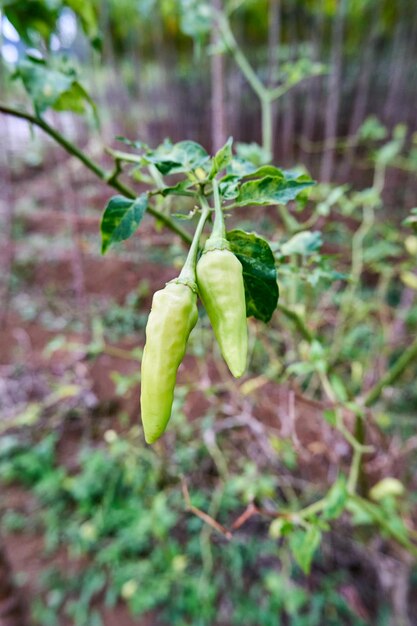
249	512
298	321
118	169
241	60
355	472
109	178
65	143
407	357
203	516
380	518
311	509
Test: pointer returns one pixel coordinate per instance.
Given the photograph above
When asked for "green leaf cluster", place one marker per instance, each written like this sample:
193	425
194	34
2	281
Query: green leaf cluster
36	20
242	182
53	84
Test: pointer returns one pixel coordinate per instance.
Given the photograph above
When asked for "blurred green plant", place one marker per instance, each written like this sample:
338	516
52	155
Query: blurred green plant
123	510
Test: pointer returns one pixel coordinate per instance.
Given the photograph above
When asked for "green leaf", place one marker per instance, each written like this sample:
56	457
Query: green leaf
44	85
195	18
222	158
75	100
121	218
330	416
389	151
389	522
266	170
252	153
298	70
259	273
315	275
84	9
372	130
339	388
32	18
52	86
380	250
176	190
336	499
360	515
304	243
332	197
271	190
388	486
139	145
300	368
280	527
303	545
411	220
316	352
184	156
240	167
409	279
229	186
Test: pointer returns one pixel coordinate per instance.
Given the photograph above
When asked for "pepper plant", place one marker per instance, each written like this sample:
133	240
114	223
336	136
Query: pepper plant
206	191
236	273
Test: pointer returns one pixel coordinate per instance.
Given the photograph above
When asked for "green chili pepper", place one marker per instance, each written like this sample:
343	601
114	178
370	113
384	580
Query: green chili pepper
173	316
220	284
221	287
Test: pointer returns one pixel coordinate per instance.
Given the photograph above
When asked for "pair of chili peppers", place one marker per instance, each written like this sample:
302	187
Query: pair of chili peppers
219	282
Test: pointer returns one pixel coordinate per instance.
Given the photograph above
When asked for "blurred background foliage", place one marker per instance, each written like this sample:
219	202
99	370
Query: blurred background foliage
256	508
156	60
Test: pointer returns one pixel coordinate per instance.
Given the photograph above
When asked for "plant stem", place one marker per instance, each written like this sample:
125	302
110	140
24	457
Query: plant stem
356	442
348	302
249	73
298	321
156	175
380	517
409	355
56	135
267	125
219	229
277	92
357	475
239	57
94	167
311	509
258	87
354	473
266	95
187	273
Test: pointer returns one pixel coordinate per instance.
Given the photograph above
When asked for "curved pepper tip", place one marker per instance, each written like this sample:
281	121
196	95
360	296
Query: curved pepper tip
151	437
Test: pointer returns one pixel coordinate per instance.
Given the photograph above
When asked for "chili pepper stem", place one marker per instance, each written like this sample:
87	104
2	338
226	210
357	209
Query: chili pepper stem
217	239
187	274
219	230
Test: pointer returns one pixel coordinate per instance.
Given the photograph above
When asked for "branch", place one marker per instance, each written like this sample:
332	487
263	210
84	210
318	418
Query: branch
392	374
67	145
298	321
207	519
241	60
382	519
109	178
